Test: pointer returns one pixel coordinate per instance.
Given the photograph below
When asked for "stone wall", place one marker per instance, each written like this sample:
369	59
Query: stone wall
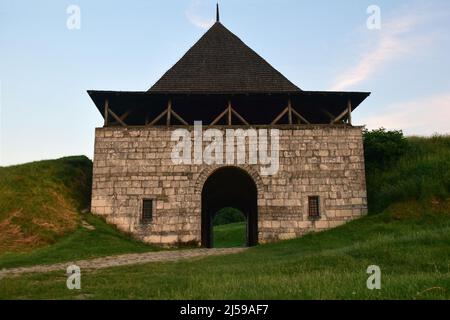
132	164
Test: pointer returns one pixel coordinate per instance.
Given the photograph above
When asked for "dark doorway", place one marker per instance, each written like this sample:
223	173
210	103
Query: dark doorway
229	187
230	229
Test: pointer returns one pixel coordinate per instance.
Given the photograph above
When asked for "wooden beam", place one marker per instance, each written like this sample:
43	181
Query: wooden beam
298	115
230	112
179	118
290	111
117	118
125	115
169	112
282	114
158	118
340	117
106	112
239	117
349	106
216	120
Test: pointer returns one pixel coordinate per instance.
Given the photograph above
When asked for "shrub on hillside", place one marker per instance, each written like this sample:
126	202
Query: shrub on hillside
382	147
402	169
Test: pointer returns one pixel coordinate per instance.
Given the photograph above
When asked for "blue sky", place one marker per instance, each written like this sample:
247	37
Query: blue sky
45	68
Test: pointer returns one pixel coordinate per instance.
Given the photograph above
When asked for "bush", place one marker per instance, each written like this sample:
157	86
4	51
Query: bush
228	216
401	170
382	148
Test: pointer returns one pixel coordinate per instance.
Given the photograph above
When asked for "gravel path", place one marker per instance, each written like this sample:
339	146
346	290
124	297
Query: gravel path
122	260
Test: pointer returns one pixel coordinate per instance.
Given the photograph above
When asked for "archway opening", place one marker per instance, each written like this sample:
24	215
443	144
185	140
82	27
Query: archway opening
229	187
229	229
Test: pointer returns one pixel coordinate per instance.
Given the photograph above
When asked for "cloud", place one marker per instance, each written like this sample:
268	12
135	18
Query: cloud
395	40
193	15
424	116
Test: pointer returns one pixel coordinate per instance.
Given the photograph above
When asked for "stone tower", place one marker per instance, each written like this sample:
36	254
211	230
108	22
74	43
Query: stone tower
220	81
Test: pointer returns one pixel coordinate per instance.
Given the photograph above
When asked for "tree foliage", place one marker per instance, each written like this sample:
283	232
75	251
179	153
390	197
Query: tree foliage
228	216
383	147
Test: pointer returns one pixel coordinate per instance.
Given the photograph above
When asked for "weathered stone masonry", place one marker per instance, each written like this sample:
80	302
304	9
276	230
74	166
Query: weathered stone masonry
132	164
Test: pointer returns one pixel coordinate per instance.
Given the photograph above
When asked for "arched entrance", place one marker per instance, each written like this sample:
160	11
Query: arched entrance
229	187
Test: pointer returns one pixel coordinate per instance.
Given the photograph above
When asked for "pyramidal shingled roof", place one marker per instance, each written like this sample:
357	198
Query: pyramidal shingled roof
220	62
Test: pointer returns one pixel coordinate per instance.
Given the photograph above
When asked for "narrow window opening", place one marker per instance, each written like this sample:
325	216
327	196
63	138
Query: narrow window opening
147	211
314	207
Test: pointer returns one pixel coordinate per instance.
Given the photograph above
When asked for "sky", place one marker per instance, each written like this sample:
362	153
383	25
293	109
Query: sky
48	59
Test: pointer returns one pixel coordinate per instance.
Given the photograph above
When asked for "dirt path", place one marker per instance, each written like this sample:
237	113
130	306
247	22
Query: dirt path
122	260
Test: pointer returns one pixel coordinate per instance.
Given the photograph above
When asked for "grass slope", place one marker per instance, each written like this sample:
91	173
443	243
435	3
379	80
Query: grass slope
409	238
40	201
420	175
84	243
40	219
230	235
413	253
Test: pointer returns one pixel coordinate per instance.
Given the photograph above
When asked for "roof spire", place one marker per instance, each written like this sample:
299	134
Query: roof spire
217	13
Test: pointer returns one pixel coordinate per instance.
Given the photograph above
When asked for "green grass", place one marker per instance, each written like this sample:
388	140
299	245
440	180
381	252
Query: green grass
40	201
413	253
421	174
82	244
407	235
40	219
230	235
